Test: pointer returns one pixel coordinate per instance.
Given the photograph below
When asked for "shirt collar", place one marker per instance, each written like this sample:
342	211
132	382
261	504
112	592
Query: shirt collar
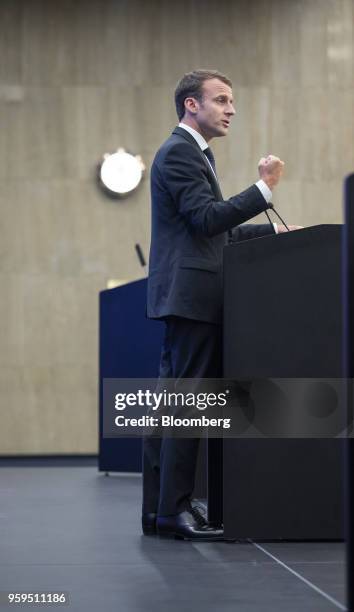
196	135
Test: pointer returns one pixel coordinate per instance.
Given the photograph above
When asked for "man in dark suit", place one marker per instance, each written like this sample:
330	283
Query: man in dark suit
191	223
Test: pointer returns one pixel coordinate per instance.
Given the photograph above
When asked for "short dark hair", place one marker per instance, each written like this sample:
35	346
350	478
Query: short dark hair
191	85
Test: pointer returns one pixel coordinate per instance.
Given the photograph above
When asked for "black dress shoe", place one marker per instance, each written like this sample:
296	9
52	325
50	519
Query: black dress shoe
197	507
148	523
187	525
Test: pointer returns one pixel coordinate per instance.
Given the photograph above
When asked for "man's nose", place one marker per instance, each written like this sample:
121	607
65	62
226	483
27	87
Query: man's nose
230	110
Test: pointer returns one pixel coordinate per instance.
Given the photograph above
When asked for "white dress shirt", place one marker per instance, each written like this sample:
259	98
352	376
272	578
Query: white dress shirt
262	186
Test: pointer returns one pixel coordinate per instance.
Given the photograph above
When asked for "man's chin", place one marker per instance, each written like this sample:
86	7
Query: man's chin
222	131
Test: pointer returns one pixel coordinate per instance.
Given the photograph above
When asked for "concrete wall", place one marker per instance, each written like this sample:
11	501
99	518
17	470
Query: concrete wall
81	77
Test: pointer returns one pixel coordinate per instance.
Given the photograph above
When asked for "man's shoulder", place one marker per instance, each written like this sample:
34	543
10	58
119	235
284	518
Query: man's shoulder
174	140
178	144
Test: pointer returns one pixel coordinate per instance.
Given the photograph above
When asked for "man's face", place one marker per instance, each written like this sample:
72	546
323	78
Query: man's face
214	113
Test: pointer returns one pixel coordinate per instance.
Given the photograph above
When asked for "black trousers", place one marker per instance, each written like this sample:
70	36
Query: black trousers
191	349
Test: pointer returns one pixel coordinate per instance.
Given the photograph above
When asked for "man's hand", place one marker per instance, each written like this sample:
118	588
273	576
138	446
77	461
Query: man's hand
270	170
282	229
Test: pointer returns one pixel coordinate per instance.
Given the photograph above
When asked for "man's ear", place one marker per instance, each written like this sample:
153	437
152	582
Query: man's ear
191	105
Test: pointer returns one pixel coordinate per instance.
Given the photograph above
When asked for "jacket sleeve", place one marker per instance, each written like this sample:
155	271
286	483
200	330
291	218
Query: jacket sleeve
248	231
185	176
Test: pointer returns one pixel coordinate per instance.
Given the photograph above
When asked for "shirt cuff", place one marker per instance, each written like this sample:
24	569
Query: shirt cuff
275	225
265	191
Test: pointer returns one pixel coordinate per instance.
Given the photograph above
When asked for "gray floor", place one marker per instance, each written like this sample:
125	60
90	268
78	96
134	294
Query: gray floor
71	529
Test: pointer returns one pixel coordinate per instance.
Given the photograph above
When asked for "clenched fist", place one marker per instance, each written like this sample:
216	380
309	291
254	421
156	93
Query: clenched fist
270	170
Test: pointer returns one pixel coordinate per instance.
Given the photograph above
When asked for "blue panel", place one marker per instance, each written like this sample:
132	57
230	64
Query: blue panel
129	347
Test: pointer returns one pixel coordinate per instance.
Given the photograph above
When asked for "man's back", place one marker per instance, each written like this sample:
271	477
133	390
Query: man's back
185	265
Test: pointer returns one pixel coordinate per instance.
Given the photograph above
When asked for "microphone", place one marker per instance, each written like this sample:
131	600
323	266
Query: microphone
140	255
270	205
269	219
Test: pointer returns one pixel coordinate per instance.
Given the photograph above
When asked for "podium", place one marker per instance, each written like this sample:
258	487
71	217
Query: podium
129	347
283	319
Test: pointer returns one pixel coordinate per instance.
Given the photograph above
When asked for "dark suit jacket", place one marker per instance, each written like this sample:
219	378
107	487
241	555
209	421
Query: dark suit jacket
190	220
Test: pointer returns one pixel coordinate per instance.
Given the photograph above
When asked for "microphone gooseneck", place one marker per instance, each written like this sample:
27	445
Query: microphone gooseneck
279	217
269	219
140	255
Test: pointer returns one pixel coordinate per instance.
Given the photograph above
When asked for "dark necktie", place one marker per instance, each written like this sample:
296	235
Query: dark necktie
209	154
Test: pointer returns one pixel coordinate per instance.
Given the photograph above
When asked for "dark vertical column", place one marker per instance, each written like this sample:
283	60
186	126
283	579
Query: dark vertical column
348	305
215	481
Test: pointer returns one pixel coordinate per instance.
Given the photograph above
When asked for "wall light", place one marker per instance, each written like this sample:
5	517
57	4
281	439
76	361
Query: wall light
120	173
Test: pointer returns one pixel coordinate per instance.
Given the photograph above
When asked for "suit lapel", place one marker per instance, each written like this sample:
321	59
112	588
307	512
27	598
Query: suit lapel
214	183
